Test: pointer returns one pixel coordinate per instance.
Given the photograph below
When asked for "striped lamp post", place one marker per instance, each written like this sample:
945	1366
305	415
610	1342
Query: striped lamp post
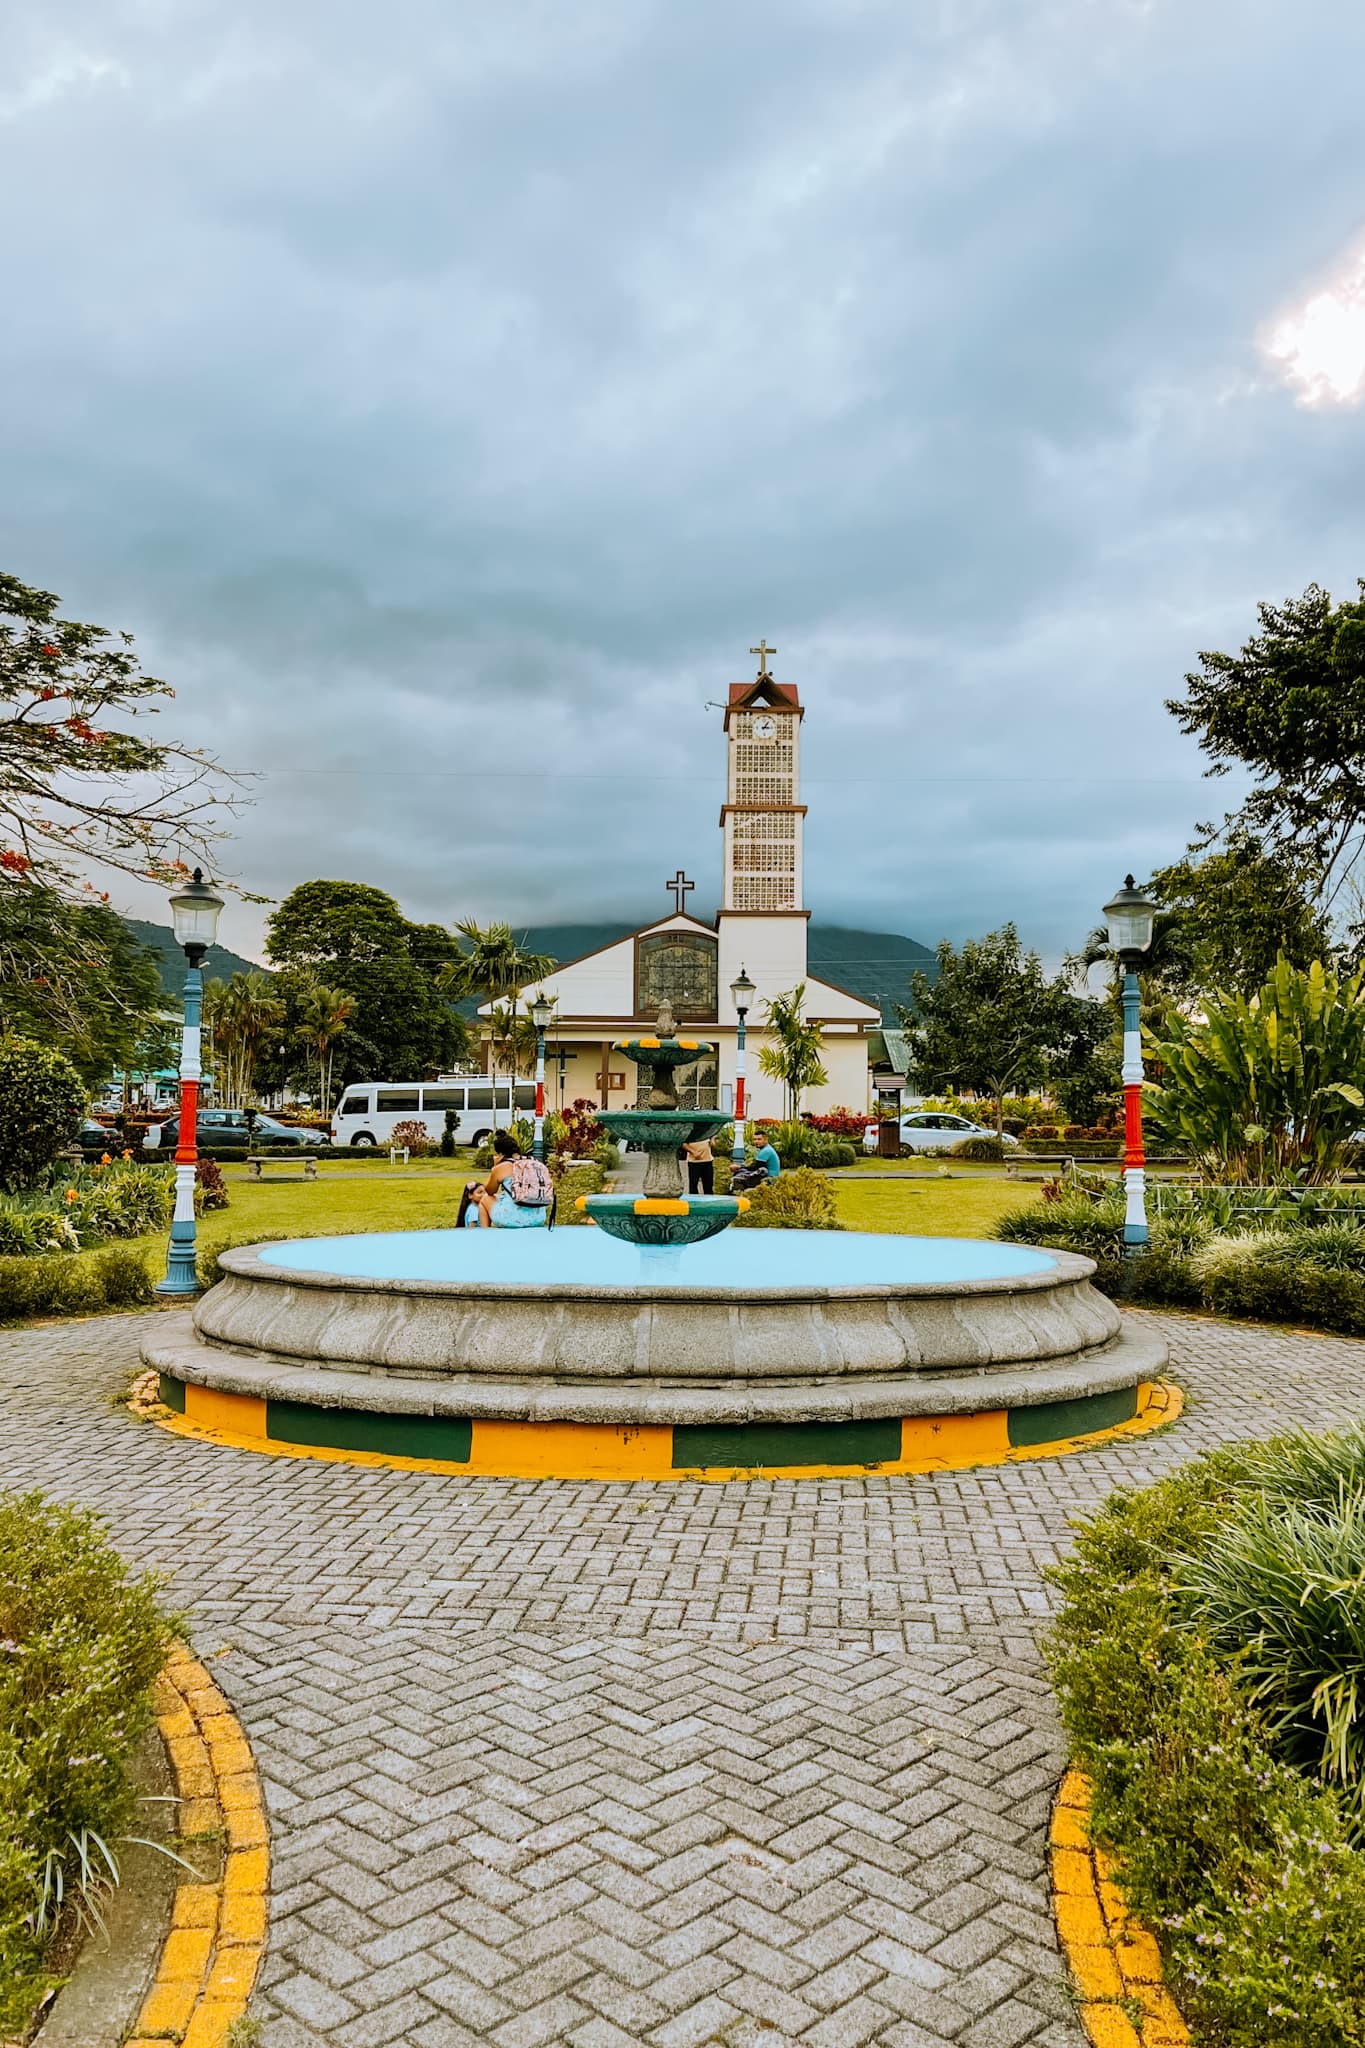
194	913
542	1009
742	993
1131	918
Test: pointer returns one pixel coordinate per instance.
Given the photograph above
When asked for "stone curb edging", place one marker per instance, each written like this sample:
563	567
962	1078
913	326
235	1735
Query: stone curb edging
1114	1959
211	1956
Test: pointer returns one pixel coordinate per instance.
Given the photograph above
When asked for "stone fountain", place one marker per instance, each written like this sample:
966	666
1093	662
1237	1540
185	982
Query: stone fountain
664	1215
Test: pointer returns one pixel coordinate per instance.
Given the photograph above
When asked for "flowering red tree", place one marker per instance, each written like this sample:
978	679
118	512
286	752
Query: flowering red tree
76	783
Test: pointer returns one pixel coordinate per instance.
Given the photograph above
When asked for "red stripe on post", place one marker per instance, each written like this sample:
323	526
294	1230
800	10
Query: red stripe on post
1132	1126
186	1153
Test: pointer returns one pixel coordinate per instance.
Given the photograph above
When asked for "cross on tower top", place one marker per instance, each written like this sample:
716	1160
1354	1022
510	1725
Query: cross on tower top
681	888
763	651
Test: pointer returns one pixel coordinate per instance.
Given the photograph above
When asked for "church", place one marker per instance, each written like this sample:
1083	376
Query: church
760	929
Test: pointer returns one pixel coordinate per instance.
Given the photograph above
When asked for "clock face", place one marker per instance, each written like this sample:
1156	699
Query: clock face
764	727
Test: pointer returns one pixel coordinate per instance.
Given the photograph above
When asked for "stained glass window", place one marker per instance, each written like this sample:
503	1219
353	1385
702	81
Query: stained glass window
679	967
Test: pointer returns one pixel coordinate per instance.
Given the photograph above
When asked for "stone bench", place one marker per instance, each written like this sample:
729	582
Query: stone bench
255	1161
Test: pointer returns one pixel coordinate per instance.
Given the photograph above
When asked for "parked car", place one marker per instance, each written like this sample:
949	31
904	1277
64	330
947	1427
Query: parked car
227	1130
933	1130
95	1139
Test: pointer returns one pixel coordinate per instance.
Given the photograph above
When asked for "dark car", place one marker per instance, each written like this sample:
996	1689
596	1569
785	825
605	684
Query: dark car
227	1130
95	1139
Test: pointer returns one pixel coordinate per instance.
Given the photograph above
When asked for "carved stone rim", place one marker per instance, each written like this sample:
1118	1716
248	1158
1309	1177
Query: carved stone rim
252	1262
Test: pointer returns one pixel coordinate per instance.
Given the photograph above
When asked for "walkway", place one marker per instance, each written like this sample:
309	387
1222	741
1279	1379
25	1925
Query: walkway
603	1765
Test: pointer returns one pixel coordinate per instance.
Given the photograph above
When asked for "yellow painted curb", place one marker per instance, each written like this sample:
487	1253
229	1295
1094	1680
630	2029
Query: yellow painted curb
211	1955
607	1451
1113	1958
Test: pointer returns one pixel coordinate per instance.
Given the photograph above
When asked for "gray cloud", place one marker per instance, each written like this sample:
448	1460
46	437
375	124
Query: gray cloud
447	396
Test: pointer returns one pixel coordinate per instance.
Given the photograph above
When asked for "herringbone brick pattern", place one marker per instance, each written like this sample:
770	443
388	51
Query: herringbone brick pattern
608	1764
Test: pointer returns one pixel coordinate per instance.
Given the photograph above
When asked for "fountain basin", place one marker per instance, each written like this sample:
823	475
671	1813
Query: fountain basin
663	1220
564	1354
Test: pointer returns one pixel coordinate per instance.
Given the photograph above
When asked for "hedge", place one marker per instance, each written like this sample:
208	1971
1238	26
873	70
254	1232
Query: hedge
74	1283
1248	1869
80	1642
1310	1273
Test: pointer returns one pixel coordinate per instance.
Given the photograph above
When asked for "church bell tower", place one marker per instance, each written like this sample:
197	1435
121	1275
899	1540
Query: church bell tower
762	817
762	920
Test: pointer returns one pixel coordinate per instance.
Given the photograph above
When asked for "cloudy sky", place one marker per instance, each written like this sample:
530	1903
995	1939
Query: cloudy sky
447	394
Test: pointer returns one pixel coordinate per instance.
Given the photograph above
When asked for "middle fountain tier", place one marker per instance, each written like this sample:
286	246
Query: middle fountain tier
664	1214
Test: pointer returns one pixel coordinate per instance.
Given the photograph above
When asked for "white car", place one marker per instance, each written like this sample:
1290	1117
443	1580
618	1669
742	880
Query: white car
933	1130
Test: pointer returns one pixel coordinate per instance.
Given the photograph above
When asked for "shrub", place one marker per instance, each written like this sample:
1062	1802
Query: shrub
210	1189
580	1129
569	1185
59	1284
124	1277
42	1101
412	1135
80	1642
979	1148
1246	1866
840	1123
1270	1594
800	1144
448	1130
802	1200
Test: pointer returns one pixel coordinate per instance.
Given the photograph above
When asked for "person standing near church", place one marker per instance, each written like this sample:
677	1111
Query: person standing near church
701	1167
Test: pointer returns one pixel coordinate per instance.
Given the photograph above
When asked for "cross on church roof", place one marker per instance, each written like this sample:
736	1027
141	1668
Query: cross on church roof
763	651
681	888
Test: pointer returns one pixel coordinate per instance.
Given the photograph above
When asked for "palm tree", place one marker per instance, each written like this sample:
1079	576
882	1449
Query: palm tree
795	1059
323	1016
241	1014
494	969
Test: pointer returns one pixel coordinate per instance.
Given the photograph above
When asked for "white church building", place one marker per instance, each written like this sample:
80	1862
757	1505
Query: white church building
761	927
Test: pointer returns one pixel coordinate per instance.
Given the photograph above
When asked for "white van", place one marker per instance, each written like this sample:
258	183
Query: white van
369	1110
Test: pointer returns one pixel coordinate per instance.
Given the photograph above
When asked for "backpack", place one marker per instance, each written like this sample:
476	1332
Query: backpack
530	1184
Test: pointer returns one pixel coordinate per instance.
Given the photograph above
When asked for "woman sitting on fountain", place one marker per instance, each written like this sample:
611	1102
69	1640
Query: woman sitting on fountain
517	1195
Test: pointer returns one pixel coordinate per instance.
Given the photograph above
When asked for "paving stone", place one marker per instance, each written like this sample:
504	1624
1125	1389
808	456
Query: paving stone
612	1764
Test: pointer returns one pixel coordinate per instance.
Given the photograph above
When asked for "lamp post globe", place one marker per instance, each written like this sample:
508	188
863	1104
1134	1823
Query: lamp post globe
542	1010
195	910
1131	919
742	993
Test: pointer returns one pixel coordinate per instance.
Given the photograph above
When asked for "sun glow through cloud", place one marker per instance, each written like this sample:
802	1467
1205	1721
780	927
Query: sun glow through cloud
1320	347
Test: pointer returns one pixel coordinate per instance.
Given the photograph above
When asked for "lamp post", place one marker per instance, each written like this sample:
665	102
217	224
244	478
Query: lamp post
194	914
742	993
1131	918
542	1009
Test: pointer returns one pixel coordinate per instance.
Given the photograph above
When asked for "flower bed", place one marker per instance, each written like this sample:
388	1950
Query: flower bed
1207	1663
80	1643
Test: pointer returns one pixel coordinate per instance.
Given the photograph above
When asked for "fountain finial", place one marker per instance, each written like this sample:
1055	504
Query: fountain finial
667	1023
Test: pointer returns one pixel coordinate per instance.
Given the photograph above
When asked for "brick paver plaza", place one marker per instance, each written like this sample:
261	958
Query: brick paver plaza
606	1764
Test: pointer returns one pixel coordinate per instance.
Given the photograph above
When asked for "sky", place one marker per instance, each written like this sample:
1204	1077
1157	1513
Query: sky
448	395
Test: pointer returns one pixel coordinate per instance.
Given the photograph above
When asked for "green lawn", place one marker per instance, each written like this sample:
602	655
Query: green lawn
930	1207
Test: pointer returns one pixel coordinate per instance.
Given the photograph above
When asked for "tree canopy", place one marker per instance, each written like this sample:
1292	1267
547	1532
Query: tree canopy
74	977
355	940
1290	708
794	1056
76	784
993	1022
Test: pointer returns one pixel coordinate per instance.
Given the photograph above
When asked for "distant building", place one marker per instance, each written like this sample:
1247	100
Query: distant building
761	927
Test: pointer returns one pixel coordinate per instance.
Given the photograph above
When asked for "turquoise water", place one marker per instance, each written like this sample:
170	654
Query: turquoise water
589	1258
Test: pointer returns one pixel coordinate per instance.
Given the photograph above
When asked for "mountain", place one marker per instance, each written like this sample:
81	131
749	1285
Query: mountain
218	961
874	965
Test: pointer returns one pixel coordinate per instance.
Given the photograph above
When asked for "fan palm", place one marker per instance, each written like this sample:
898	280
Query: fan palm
494	967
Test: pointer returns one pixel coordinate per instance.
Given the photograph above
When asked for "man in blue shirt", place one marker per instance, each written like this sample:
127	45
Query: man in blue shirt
767	1158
